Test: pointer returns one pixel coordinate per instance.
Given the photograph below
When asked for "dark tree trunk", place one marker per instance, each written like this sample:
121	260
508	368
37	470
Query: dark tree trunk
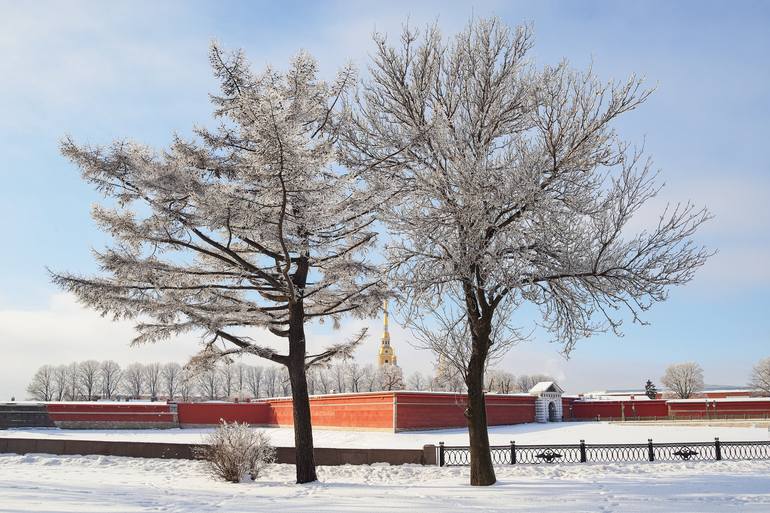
482	471
303	429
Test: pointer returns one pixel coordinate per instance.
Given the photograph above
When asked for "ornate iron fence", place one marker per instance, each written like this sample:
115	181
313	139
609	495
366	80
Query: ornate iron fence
513	454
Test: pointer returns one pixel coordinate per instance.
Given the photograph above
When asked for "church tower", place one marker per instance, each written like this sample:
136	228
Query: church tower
386	354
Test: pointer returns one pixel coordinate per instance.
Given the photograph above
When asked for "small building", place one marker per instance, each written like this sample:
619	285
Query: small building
548	406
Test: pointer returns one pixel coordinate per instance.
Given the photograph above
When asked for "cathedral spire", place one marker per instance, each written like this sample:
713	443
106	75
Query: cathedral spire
386	354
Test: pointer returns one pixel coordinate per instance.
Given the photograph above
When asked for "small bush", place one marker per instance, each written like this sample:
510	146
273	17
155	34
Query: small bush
235	451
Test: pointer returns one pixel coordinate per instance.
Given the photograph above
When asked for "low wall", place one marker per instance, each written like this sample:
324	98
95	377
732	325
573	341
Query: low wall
369	410
24	415
112	415
206	414
591	410
323	456
421	410
725	408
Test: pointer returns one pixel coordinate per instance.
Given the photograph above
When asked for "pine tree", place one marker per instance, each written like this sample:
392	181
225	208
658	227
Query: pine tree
650	390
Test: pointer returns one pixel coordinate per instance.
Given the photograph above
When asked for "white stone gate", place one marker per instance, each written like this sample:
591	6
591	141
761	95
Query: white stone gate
548	407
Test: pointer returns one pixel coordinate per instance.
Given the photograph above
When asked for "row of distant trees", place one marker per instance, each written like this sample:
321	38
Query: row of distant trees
91	379
685	380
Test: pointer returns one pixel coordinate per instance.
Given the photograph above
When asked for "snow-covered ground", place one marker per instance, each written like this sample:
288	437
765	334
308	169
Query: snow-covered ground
111	484
566	432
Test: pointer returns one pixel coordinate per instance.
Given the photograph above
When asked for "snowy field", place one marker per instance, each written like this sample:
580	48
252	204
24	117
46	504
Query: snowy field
86	484
566	432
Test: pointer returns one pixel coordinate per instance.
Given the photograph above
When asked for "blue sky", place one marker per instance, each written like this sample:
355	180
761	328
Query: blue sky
105	70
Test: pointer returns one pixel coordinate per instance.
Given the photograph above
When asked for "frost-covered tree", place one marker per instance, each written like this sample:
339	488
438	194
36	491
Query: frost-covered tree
43	384
500	381
416	381
683	379
171	375
511	186
760	377
355	376
60	383
253	226
209	383
110	376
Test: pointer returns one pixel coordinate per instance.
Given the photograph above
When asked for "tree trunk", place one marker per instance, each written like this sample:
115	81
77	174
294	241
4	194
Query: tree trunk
482	472
303	429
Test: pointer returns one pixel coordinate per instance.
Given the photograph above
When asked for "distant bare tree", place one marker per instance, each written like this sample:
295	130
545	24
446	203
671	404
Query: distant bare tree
416	381
110	376
134	380
355	376
209	383
391	377
270	377
370	381
760	377
152	379
73	382
323	379
43	384
60	382
88	375
186	385
684	379
254	381
526	381
171	375
227	379
500	381
339	374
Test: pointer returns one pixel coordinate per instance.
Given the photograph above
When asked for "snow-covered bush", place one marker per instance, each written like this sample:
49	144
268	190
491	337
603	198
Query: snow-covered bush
235	450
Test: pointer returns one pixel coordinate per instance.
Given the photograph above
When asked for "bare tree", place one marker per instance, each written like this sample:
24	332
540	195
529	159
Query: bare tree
323	379
370	381
152	373
500	381
391	377
510	186
227	379
88	375
73	382
60	383
684	379
110	376
270	378
416	381
254	381
253	226
355	376
526	381
209	384
186	385
760	377
171	375
43	384
339	373
135	380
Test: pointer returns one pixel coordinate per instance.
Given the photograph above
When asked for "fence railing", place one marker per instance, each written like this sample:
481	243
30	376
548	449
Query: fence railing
514	454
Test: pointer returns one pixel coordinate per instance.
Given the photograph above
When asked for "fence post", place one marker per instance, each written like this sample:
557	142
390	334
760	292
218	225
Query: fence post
650	451
718	448
513	452
441	454
582	451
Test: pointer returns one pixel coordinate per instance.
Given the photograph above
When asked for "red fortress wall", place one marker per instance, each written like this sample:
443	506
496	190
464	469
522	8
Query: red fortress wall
390	411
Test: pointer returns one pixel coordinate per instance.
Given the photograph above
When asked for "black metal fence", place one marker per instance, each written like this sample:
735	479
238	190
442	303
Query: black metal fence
513	454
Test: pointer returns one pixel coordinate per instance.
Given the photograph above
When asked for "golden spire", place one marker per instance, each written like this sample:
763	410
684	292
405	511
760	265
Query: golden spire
386	355
385	334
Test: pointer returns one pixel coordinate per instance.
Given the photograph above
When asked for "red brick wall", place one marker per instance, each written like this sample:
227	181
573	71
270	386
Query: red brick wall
365	411
415	410
706	408
87	413
612	409
213	413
